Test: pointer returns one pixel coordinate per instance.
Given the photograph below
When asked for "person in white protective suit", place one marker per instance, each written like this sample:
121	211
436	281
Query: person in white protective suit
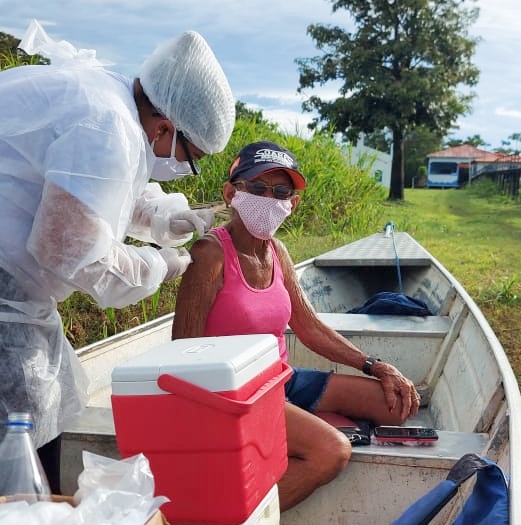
78	145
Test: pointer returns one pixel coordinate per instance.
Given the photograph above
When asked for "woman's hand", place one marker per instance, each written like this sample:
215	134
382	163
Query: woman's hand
396	386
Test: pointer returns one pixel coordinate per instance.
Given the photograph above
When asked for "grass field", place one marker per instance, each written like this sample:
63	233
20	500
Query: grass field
476	235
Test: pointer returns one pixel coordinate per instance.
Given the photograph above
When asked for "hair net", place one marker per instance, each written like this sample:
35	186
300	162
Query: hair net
183	80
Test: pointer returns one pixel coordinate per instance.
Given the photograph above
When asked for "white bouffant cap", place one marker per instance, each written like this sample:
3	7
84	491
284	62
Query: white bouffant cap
184	81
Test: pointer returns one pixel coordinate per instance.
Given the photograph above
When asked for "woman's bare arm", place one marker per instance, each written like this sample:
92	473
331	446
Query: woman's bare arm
325	341
198	289
307	326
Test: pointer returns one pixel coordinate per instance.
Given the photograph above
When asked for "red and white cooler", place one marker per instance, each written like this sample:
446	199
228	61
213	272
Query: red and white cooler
208	413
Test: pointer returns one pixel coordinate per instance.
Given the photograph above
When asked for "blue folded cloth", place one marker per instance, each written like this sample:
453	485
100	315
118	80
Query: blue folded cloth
392	303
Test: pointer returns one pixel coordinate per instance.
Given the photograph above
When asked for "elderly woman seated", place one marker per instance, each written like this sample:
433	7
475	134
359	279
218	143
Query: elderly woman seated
246	283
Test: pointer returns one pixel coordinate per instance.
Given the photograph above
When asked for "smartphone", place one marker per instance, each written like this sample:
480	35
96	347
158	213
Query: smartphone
357	433
409	434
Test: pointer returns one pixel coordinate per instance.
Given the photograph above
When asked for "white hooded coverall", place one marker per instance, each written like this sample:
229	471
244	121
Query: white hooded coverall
74	170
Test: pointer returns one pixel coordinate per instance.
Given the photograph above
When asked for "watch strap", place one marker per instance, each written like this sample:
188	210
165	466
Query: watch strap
367	369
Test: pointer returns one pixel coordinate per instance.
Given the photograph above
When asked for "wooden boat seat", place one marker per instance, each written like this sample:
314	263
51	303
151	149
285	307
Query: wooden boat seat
382	472
443	454
436	326
377	250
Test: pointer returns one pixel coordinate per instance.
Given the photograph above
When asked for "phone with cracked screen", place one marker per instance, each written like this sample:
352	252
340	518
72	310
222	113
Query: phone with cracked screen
398	434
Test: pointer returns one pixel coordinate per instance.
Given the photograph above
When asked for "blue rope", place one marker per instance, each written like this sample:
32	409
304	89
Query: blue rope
389	230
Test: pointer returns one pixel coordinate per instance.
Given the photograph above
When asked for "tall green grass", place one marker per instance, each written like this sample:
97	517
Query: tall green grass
340	197
341	201
14	58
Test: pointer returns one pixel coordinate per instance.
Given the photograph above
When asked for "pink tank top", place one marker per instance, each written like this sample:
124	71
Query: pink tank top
240	309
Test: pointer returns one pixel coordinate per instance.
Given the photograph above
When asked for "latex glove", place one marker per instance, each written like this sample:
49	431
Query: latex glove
177	261
192	220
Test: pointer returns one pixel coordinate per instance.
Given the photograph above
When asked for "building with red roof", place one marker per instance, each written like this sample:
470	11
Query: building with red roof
455	167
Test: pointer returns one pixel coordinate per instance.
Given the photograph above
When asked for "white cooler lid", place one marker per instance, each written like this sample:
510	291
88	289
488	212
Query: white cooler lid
218	364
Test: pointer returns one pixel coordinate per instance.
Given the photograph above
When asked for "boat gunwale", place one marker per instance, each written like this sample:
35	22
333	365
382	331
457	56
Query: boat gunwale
105	344
510	383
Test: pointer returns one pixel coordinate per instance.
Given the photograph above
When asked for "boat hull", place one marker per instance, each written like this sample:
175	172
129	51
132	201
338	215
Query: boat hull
469	391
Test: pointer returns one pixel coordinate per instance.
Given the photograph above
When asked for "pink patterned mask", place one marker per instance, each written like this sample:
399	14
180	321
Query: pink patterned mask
261	215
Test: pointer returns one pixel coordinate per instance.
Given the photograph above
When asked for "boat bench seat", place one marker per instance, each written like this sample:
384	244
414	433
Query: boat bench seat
450	447
381	482
436	326
392	338
95	432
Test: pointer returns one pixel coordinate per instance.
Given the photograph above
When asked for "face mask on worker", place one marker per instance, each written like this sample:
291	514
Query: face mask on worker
169	168
261	215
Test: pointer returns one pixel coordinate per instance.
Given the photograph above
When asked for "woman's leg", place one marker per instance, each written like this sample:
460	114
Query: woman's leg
358	397
317	452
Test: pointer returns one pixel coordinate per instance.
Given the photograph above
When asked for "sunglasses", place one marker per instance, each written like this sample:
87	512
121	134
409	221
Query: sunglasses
257	187
194	165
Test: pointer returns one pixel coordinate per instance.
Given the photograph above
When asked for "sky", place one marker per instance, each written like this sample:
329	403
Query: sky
257	42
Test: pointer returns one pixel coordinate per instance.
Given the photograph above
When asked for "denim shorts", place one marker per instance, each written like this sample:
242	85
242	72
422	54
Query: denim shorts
305	387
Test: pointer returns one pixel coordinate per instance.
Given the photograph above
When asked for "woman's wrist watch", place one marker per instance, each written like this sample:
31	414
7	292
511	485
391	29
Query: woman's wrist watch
367	369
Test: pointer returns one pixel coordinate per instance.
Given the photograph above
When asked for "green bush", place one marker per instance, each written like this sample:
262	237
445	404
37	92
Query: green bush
340	197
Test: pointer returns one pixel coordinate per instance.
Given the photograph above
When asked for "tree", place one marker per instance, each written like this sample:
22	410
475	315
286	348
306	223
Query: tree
400	68
417	145
243	112
475	141
516	138
378	140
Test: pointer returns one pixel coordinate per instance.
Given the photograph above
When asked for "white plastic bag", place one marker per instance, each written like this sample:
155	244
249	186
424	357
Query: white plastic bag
36	40
40	513
110	492
114	492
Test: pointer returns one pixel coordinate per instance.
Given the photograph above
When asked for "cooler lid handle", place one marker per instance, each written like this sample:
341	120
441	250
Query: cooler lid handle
180	387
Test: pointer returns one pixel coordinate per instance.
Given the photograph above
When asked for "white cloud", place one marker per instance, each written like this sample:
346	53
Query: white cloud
257	42
288	121
510	113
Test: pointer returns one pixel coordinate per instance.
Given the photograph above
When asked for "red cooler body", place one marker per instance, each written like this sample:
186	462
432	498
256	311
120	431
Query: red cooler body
209	415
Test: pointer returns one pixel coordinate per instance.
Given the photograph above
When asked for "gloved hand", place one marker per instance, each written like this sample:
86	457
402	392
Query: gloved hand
184	222
177	261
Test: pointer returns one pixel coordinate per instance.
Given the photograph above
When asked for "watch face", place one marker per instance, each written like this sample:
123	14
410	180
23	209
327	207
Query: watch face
368	365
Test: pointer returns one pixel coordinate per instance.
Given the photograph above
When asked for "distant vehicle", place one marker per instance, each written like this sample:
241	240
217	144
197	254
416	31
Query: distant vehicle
447	174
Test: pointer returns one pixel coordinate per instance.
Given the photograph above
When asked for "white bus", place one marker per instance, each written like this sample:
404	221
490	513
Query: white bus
446	174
